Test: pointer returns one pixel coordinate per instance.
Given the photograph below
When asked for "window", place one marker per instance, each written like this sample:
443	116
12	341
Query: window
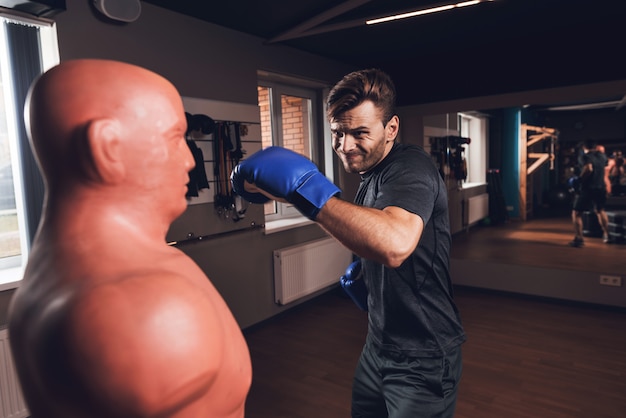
288	119
475	128
27	48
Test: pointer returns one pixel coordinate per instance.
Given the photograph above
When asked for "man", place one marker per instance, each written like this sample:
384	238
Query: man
109	321
592	193
398	226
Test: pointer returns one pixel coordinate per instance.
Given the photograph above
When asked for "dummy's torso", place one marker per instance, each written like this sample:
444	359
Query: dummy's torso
126	333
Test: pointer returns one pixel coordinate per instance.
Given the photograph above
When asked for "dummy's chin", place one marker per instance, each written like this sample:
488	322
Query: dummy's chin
182	202
178	210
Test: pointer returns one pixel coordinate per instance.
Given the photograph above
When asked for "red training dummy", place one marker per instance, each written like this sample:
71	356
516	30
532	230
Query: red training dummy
109	321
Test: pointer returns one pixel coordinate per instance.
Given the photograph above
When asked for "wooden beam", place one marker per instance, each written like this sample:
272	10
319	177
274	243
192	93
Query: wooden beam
533	139
304	29
541	158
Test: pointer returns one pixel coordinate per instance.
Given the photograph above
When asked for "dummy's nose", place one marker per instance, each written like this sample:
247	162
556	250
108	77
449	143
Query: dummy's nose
188	160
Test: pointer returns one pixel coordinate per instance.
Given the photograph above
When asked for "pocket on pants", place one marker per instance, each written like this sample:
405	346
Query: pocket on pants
452	369
439	376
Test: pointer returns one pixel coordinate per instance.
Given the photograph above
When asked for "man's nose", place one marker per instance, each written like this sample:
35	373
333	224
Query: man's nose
347	143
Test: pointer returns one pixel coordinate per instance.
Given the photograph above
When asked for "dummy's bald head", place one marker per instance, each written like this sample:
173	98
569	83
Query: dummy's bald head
64	101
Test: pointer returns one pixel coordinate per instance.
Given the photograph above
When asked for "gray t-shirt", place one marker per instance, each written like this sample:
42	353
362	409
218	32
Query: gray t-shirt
411	308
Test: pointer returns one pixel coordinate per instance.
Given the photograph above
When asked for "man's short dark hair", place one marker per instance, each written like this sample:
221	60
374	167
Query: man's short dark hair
359	86
589	143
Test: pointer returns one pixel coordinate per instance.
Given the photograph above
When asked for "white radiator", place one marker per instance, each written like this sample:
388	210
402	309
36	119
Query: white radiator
302	269
477	208
12	403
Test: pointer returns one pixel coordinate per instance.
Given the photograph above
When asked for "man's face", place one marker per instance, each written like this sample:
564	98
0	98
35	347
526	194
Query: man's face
360	137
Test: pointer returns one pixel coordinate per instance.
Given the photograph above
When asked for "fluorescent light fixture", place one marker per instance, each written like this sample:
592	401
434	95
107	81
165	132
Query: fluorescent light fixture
425	11
587	106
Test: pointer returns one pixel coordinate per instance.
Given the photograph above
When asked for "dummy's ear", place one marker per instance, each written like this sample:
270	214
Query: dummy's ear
106	149
392	128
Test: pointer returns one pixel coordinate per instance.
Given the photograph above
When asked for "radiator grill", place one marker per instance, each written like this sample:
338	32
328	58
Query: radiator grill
306	268
478	208
12	403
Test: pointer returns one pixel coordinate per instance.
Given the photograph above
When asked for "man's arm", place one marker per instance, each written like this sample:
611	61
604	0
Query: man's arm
387	236
586	170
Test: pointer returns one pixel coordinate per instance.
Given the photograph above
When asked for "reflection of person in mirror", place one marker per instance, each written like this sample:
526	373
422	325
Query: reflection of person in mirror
617	174
592	195
110	321
607	169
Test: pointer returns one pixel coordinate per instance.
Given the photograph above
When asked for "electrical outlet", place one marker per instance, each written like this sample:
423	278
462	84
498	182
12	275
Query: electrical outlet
610	280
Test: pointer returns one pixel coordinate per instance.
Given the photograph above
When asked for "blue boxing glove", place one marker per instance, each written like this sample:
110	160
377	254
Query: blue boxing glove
573	184
286	175
353	284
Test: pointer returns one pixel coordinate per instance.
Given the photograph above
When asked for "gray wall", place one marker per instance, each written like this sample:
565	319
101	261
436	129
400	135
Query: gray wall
205	61
570	285
201	59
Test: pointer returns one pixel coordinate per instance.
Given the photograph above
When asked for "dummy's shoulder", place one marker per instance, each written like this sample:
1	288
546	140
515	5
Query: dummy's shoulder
152	337
148	304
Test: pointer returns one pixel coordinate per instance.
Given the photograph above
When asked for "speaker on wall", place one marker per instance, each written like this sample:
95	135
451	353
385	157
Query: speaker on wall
122	10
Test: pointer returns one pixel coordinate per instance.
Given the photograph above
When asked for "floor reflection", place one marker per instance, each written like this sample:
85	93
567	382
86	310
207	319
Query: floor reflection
538	242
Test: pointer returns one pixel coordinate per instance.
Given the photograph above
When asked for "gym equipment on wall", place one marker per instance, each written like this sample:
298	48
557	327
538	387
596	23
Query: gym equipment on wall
448	154
531	158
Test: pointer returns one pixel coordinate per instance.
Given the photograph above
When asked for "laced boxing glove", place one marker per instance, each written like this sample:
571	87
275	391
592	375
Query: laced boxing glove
284	174
353	284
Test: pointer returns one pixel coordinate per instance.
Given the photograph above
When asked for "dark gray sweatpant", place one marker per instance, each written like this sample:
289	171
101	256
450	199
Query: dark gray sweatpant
390	385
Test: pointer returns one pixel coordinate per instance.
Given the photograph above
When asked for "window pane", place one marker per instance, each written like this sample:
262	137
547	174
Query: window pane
475	152
10	245
266	119
27	48
270	207
286	121
295	121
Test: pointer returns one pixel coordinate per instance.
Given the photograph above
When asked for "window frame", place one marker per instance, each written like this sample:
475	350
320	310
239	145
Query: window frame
21	157
476	128
287	216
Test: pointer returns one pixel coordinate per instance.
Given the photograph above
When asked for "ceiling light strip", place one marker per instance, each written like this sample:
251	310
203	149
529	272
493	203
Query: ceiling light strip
424	11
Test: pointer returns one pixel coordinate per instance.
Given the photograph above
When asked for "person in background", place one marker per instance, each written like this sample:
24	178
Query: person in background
109	321
607	169
398	226
592	193
617	174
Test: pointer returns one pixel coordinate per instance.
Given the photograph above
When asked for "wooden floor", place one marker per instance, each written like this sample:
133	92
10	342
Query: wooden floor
524	358
541	243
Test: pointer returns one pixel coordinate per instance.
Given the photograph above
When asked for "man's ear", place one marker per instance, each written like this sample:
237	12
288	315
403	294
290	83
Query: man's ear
105	144
392	128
